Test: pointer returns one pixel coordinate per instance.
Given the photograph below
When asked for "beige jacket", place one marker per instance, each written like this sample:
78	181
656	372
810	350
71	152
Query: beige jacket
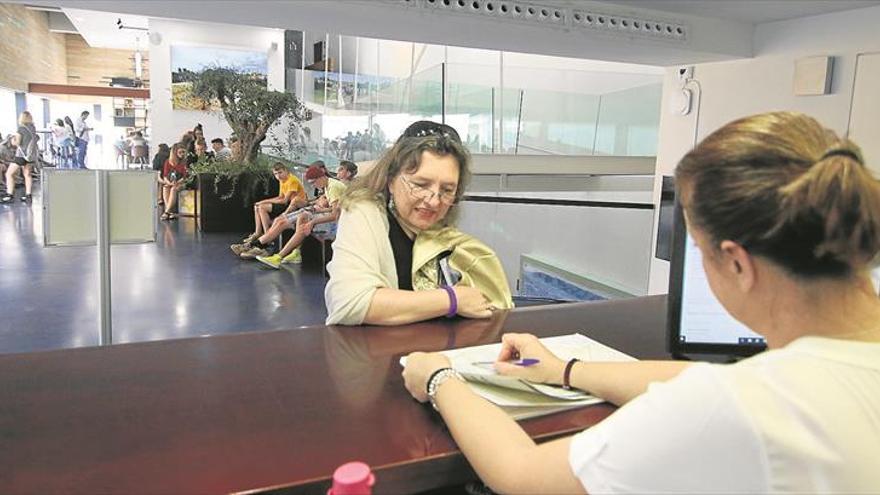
363	262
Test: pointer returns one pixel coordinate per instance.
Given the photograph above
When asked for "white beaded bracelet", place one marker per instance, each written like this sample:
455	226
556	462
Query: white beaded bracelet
437	379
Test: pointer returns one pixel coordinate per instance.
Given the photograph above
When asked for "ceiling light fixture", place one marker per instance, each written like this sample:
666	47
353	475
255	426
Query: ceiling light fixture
121	26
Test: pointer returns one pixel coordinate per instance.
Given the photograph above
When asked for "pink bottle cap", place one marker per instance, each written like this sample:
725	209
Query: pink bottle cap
352	478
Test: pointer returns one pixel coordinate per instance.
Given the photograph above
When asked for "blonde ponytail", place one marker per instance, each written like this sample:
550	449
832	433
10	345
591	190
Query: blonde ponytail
841	191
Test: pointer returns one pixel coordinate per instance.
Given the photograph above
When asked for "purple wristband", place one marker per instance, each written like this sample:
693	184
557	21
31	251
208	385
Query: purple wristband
453	302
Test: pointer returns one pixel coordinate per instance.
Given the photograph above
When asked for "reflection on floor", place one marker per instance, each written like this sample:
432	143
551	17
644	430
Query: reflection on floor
184	285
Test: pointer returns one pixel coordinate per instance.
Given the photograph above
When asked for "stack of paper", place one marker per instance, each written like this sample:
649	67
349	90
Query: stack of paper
523	399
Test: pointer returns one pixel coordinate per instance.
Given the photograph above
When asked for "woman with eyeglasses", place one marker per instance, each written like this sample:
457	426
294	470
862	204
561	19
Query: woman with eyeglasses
787	218
398	257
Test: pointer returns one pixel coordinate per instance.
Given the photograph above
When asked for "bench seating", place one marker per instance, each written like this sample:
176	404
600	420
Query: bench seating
317	251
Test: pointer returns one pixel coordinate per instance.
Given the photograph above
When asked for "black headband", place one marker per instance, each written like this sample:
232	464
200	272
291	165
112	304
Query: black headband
842	152
424	128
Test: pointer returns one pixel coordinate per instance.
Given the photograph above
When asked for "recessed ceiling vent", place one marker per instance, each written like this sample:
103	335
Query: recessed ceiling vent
569	19
635	26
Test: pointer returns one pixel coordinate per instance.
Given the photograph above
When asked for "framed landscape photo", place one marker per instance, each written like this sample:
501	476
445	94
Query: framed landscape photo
187	62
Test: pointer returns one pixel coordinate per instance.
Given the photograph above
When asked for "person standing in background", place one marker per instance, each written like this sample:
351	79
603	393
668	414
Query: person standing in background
71	145
82	139
62	137
26	155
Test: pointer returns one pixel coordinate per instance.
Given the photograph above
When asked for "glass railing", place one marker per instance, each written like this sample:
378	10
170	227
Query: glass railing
535	111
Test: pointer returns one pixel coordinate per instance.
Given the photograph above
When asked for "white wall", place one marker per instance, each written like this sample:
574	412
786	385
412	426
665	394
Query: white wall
8	117
764	83
167	125
607	245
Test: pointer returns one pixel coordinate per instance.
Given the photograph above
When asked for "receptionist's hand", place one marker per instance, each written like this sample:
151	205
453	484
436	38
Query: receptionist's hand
515	346
419	368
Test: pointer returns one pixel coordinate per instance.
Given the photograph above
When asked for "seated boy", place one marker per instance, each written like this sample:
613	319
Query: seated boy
305	222
291	195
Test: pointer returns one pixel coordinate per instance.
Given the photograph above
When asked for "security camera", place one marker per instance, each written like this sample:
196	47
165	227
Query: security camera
686	73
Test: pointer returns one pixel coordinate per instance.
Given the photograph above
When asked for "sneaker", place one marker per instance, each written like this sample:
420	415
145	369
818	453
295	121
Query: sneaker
253	252
27	198
274	261
240	248
6	198
249	239
294	257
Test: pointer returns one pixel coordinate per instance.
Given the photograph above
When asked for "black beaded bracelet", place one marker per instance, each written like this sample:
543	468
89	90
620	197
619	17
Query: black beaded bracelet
431	379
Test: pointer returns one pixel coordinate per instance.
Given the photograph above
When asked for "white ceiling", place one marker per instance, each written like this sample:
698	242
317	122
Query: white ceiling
719	29
749	11
100	30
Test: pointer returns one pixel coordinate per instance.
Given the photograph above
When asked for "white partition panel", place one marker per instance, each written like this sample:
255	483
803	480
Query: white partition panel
70	207
611	246
132	206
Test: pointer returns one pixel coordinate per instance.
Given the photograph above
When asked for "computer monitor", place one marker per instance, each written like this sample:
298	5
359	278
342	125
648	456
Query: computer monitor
666	220
696	321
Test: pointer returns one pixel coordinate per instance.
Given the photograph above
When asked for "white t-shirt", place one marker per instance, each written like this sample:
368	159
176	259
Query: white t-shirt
82	130
805	418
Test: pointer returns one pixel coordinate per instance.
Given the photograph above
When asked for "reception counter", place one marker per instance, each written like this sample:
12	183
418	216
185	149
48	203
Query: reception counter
267	410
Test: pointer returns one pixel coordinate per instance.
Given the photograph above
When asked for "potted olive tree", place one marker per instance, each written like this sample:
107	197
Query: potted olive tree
227	189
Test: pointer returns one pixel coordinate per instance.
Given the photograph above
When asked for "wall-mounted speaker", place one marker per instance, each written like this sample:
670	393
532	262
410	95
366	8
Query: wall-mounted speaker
812	76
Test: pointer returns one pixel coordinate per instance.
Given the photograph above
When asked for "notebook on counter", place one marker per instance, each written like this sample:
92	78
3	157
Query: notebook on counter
520	398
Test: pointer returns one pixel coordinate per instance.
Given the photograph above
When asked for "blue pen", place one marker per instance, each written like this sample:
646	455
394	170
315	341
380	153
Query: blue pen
520	362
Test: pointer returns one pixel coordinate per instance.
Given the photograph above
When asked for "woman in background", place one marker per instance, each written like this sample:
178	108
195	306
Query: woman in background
787	219
26	156
62	138
172	179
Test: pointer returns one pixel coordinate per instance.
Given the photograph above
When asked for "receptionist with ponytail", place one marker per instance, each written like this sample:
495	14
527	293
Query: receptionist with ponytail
787	218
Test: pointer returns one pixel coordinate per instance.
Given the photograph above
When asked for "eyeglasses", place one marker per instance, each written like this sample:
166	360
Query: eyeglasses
424	194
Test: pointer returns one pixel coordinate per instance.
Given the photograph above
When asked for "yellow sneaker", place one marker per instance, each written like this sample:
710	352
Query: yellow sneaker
274	261
294	257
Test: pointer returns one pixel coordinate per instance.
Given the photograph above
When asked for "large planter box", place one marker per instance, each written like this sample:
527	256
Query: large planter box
229	215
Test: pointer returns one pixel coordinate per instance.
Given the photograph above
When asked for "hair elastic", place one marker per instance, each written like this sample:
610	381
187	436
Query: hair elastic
842	152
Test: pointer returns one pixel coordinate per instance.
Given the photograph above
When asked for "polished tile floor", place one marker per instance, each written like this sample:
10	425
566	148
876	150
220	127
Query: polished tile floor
186	284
